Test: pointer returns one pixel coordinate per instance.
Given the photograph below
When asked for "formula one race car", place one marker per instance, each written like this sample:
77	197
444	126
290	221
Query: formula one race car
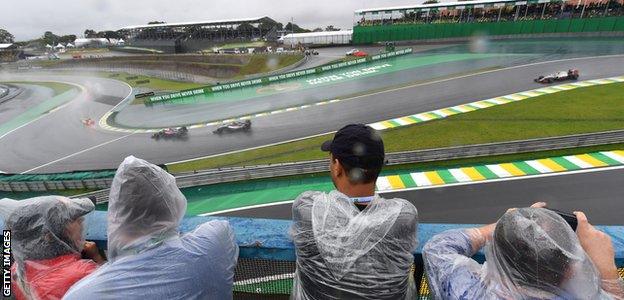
233	127
88	122
572	74
180	132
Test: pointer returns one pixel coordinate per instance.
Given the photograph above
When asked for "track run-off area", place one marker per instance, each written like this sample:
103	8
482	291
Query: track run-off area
58	141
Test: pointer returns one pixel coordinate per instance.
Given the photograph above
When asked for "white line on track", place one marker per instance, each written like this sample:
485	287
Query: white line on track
402	88
51	111
77	153
600	169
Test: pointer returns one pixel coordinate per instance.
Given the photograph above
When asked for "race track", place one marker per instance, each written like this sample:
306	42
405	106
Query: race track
43	145
58	141
598	194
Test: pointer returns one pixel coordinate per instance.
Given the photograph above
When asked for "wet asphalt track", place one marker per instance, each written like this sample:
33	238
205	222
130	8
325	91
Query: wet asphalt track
598	194
59	141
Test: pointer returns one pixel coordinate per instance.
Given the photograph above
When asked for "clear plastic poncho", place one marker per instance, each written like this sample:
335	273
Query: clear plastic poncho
145	207
148	257
533	254
343	252
39	234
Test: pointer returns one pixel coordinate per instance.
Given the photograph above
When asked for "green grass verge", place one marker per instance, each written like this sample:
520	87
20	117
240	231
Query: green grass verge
57	87
154	83
262	63
582	110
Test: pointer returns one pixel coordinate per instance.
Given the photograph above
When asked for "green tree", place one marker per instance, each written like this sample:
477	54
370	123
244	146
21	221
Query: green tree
70	38
90	33
156	22
331	28
50	38
6	37
295	28
109	34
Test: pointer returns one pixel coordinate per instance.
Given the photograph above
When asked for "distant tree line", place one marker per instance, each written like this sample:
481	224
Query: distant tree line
6	37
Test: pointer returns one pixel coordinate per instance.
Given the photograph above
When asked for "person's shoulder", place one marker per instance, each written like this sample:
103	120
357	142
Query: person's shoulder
305	199
213	229
407	208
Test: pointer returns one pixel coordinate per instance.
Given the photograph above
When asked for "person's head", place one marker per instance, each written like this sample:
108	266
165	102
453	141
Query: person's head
535	249
47	227
144	203
356	156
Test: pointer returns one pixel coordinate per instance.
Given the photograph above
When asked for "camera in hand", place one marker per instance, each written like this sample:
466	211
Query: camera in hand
568	217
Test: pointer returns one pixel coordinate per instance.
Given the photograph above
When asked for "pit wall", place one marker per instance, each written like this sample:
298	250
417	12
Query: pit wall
273	78
408	32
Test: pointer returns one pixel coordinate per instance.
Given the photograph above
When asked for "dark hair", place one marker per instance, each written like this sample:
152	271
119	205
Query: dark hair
531	261
359	175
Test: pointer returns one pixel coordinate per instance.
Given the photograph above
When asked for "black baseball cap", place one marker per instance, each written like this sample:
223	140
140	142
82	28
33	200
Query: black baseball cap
358	146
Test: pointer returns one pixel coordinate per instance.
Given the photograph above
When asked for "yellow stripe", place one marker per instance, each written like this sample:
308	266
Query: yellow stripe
434	178
387	124
590	160
483	103
395	182
513	170
432	115
466	107
551	164
473	173
407	120
448	111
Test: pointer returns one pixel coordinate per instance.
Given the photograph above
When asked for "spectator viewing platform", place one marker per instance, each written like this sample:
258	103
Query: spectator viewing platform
459	19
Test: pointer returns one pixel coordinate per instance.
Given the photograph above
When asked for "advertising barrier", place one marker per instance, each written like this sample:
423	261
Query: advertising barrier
273	78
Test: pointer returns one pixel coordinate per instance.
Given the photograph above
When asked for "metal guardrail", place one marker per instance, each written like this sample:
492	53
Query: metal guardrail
224	175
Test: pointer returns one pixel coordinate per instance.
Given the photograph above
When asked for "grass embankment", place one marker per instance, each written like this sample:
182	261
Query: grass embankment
262	63
583	110
153	84
57	87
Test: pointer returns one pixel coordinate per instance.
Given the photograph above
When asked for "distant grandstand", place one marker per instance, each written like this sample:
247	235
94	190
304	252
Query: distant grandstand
493	17
198	36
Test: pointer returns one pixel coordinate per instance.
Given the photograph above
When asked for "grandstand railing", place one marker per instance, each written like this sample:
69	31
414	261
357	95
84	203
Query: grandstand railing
267	255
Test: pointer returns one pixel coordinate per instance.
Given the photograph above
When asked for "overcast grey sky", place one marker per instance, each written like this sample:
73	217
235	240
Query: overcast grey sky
27	19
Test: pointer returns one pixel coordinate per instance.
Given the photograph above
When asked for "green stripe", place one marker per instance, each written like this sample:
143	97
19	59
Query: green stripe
407	180
414	119
605	159
566	164
395	123
487	173
491	102
455	110
447	176
526	168
472	106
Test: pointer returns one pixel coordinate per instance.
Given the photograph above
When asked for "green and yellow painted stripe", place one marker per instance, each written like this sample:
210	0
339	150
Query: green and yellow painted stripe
502	170
449	111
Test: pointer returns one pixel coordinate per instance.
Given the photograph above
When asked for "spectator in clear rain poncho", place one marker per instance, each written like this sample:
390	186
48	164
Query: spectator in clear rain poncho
352	243
531	253
148	258
49	247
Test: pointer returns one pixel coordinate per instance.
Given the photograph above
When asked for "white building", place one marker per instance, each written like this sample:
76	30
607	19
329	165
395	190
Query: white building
342	37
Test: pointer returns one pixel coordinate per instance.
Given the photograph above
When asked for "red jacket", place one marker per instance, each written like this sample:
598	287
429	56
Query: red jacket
51	278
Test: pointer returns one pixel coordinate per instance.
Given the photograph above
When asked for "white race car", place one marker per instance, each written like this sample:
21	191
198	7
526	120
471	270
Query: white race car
233	127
